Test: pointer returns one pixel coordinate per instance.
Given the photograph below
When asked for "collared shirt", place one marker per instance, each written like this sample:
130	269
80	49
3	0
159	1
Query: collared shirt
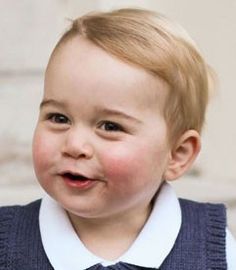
58	234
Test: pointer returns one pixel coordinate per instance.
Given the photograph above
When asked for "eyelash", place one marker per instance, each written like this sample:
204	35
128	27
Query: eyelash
52	118
114	126
108	126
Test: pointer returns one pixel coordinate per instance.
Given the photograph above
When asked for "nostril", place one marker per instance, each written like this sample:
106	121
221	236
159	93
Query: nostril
77	150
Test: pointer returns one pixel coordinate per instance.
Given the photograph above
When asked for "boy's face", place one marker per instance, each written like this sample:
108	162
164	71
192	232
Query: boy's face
100	118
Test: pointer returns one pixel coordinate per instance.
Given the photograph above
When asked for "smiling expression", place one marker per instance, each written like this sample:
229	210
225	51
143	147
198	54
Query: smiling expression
100	146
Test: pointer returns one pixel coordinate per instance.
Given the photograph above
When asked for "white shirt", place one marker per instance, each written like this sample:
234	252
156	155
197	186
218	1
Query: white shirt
68	252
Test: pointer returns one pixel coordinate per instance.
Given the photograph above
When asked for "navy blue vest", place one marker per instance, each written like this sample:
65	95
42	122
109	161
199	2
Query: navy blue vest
200	244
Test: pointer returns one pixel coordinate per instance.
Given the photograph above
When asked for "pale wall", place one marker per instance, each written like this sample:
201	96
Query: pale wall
29	30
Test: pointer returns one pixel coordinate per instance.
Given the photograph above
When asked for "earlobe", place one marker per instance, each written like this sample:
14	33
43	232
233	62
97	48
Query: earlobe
183	155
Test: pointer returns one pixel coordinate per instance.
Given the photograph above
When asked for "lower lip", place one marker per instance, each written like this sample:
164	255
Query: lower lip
82	185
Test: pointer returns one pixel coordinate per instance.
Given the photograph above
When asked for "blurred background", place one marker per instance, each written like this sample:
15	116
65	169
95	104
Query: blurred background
29	31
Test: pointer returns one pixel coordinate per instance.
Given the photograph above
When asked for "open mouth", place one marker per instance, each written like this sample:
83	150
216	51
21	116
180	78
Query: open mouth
75	177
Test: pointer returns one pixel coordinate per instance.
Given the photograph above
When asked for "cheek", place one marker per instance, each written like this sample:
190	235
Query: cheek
125	164
42	151
136	166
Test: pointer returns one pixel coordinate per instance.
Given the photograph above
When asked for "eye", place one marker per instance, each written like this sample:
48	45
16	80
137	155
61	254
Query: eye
111	126
58	118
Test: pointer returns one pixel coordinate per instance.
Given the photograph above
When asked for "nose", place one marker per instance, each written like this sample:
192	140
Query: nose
77	145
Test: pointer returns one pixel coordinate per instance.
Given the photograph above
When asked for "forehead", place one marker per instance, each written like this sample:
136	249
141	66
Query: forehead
80	66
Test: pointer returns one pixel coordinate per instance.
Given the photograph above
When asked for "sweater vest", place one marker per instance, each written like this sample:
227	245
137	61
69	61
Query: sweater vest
200	244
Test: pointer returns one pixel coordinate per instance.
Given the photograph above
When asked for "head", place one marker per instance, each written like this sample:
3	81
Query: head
152	42
124	101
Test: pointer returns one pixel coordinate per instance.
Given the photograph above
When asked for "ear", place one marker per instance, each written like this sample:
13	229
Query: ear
183	155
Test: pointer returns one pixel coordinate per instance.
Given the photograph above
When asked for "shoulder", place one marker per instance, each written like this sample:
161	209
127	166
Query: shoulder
10	212
200	243
206	224
207	217
18	227
204	216
201	206
12	216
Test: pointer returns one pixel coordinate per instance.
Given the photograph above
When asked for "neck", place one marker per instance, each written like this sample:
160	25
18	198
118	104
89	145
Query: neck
110	237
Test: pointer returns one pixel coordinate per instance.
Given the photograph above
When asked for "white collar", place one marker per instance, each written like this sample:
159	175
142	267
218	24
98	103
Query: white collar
65	250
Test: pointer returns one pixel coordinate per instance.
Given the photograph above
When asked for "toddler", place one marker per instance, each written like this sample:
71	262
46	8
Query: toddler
123	108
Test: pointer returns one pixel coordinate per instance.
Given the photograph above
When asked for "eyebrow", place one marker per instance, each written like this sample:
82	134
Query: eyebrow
118	113
48	102
105	111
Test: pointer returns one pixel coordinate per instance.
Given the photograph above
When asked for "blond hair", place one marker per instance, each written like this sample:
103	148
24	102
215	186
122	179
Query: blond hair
151	41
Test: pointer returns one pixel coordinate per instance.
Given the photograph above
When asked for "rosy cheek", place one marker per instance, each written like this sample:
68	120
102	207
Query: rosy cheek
41	150
122	164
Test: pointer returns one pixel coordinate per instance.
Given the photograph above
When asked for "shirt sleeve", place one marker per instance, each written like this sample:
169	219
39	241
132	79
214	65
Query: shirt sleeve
230	250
